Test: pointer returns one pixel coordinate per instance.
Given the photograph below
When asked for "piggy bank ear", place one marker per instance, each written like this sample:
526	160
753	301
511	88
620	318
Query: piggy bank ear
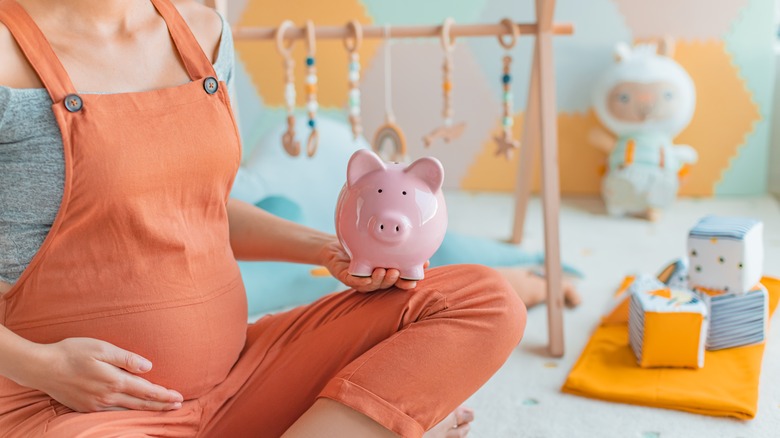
429	170
362	163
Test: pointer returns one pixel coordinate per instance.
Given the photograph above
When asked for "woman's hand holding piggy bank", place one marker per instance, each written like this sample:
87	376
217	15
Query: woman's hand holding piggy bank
390	215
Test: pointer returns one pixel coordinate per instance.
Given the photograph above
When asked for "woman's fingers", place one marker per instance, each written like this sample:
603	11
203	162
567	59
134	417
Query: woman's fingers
384	279
459	432
406	284
352	281
390	278
124	359
376	280
125	401
135	386
372	283
143	389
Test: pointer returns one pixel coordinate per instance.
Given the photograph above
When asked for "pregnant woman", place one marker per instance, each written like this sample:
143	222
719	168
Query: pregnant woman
122	311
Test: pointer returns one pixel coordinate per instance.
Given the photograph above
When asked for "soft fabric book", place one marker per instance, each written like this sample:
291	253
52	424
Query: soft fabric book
736	319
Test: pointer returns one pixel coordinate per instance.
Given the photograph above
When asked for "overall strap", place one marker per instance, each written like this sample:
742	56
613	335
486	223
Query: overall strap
37	50
195	61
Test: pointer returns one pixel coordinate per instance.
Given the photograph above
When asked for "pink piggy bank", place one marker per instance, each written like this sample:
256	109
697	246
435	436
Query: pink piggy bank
391	215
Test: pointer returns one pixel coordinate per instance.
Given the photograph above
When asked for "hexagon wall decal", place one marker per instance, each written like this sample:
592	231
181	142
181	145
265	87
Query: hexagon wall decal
754	56
725	113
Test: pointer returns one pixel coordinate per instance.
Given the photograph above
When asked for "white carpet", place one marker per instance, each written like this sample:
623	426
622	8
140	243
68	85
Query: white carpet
524	400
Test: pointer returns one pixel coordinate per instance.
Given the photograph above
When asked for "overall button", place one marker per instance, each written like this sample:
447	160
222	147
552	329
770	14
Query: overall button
73	103
210	85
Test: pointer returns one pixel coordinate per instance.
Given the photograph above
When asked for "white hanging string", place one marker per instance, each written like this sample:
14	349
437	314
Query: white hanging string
388	77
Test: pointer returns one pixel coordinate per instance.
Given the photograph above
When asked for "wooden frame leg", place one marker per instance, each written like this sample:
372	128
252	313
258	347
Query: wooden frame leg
550	178
528	149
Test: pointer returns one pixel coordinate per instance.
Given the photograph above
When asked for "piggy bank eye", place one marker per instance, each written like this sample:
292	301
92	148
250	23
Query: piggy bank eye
740	265
698	269
404	192
721	259
380	190
693	253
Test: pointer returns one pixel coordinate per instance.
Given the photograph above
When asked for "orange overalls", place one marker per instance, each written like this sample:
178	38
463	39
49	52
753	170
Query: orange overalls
139	256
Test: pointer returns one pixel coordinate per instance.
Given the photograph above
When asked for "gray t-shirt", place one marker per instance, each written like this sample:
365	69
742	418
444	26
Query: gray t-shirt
32	167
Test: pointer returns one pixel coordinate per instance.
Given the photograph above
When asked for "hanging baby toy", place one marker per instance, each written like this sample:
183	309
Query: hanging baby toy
352	44
291	145
389	141
645	99
311	89
448	131
506	144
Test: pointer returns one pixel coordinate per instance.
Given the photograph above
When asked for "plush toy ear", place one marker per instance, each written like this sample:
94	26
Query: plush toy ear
429	170
622	51
362	163
666	47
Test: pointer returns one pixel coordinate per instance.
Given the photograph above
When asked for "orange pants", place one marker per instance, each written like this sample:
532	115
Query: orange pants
404	358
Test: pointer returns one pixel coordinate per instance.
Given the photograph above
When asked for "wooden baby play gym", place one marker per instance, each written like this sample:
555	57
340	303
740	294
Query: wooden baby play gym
539	133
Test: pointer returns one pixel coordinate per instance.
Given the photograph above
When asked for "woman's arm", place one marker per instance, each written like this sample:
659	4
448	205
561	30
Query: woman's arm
16	355
258	235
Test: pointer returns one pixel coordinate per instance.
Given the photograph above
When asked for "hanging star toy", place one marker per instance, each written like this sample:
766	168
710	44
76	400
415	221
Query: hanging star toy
506	146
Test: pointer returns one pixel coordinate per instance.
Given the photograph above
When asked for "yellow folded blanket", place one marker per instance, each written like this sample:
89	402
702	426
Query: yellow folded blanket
727	386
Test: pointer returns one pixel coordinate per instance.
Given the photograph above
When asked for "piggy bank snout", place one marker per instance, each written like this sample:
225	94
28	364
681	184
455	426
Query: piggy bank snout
391	227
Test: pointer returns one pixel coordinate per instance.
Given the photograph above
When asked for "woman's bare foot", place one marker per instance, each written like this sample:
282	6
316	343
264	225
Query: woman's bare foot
455	425
651	214
532	289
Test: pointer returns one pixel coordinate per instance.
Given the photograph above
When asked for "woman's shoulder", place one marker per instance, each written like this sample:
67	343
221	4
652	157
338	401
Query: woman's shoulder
205	24
15	72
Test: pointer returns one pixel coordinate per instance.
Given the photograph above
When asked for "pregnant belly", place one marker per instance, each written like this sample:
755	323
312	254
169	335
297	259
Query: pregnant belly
192	346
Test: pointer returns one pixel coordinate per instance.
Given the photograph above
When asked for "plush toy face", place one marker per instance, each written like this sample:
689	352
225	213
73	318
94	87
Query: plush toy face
644	92
635	102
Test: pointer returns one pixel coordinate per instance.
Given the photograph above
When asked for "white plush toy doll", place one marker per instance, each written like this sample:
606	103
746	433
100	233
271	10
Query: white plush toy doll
645	99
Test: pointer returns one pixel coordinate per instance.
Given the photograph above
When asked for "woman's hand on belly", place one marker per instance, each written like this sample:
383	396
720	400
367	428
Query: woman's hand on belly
89	375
